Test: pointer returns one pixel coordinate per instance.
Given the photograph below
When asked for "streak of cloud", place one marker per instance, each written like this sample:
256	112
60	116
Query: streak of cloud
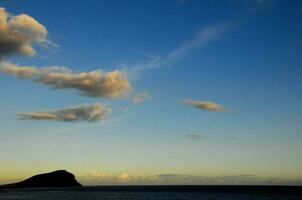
140	97
204	105
19	33
112	84
89	113
194	136
202	37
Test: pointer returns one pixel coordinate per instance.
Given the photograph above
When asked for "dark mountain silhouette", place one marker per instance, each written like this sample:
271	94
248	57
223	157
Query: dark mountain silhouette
60	178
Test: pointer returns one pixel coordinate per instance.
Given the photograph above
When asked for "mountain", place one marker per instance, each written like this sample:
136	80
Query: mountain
59	178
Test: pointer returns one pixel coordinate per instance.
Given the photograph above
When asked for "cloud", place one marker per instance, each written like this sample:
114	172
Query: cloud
124	176
194	136
19	33
205	105
104	179
89	113
244	179
140	97
183	179
202	37
112	84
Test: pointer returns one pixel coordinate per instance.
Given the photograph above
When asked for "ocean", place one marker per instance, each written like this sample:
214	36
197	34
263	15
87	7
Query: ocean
155	192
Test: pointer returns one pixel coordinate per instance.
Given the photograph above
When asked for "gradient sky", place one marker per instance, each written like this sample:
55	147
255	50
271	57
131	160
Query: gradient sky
244	55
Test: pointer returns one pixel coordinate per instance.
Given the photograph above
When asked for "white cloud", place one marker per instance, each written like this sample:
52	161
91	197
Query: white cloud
112	84
89	113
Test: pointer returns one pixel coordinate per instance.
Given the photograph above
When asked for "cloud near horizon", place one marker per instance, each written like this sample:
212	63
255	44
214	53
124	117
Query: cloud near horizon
112	84
204	105
182	179
104	178
19	33
89	113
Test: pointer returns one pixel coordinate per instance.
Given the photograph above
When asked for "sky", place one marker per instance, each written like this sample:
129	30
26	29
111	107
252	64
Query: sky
152	92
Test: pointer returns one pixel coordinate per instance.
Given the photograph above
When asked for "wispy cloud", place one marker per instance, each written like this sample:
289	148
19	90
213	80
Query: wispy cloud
202	37
89	113
112	84
205	105
227	179
252	6
140	97
194	136
19	33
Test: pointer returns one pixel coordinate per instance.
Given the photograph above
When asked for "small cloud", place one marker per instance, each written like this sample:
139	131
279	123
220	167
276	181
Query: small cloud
112	84
205	105
105	178
140	97
89	113
194	136
124	176
18	34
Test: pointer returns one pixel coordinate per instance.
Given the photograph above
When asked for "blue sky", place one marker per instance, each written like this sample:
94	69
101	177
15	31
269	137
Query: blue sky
243	55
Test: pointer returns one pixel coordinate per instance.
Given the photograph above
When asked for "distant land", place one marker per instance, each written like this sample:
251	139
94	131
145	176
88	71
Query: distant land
59	178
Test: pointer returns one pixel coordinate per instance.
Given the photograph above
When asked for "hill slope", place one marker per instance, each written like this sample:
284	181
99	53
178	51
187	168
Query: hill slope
59	178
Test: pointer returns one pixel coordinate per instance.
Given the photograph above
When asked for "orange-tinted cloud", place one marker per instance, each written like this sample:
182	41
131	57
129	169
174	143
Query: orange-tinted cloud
19	33
205	105
112	84
89	113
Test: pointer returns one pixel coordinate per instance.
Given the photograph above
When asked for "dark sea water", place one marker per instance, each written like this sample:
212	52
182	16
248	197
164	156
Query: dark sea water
148	193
